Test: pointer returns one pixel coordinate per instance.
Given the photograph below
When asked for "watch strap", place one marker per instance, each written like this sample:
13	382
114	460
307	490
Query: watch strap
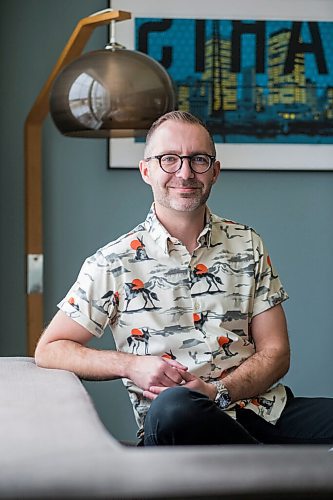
222	398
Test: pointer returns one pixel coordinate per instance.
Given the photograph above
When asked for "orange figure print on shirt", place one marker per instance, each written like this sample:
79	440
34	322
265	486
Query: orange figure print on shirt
137	289
137	338
139	247
200	272
225	343
199	319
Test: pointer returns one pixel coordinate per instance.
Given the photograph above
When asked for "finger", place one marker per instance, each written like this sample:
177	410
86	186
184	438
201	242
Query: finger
157	389
153	391
169	379
188	377
175	364
175	375
149	395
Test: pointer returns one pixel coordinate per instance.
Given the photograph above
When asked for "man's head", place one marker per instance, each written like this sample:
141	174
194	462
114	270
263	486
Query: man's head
176	116
179	162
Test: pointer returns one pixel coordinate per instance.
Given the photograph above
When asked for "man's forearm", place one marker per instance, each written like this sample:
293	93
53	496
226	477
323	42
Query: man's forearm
257	374
87	363
92	364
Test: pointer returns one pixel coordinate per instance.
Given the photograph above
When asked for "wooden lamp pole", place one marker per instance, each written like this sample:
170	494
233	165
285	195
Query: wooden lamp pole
33	172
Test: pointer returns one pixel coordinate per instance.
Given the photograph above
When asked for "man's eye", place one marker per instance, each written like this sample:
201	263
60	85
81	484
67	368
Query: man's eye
200	159
169	159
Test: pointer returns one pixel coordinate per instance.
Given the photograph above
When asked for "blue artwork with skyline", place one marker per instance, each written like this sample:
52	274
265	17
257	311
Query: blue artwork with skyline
250	81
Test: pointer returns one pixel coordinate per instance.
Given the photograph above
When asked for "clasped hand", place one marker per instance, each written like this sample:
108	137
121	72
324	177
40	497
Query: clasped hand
155	374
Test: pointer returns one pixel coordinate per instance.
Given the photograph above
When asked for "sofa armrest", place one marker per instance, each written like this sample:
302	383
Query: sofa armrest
53	445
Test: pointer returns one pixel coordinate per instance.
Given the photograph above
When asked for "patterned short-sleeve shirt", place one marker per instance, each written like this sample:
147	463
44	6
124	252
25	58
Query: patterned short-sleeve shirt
197	309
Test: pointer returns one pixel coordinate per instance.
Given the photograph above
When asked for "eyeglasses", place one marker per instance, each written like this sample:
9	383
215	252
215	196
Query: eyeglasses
171	163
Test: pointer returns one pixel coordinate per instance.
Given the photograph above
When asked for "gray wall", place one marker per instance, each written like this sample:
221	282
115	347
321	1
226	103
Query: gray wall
85	205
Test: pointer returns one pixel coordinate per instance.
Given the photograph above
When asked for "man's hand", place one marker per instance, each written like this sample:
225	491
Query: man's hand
147	371
188	380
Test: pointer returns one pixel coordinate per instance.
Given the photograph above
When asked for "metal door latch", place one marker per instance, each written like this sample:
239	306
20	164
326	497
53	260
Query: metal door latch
35	273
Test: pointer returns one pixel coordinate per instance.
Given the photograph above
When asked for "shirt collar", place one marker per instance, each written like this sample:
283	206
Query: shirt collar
161	236
206	234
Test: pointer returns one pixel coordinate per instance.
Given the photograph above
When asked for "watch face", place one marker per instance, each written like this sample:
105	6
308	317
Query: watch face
223	401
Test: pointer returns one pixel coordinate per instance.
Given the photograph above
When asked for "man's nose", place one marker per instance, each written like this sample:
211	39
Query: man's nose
185	171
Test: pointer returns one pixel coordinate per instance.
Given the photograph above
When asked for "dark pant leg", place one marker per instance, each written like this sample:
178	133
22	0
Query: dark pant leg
303	421
179	416
307	420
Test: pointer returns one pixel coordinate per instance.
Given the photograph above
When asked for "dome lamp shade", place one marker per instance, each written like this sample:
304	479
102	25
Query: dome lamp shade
112	92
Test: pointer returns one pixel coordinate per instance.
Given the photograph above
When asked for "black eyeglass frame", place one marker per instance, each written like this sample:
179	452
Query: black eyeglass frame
212	160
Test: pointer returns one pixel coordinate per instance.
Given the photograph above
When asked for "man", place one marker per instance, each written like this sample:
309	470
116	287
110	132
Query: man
195	308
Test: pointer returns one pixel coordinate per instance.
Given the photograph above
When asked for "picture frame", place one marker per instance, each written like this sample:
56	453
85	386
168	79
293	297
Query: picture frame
126	152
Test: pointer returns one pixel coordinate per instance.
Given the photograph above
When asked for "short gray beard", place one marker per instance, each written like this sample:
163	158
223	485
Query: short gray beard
192	205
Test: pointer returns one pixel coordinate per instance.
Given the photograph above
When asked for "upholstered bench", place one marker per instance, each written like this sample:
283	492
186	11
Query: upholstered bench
53	445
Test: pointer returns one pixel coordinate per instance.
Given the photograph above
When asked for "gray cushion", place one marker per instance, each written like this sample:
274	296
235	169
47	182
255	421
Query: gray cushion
53	445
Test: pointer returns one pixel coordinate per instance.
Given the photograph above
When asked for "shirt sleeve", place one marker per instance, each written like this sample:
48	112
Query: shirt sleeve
92	300
268	288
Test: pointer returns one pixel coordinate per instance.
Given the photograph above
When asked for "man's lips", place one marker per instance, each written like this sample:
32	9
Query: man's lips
185	188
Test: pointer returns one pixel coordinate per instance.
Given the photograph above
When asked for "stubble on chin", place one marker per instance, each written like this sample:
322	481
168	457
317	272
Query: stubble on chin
185	202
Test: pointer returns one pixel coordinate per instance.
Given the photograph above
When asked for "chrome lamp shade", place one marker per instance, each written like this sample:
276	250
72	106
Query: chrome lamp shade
110	93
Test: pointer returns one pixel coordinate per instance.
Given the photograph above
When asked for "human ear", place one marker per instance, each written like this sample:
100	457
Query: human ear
216	170
144	171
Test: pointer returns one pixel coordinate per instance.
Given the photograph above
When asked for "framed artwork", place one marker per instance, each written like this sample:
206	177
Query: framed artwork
259	73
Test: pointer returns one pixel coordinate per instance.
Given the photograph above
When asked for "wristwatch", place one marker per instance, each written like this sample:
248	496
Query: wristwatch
222	398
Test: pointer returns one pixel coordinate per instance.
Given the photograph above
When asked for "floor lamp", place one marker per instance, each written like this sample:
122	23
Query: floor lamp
33	172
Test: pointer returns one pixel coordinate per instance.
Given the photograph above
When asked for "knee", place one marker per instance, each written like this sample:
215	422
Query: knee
173	409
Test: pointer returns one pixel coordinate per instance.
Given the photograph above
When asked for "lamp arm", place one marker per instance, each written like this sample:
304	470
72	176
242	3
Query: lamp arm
33	172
